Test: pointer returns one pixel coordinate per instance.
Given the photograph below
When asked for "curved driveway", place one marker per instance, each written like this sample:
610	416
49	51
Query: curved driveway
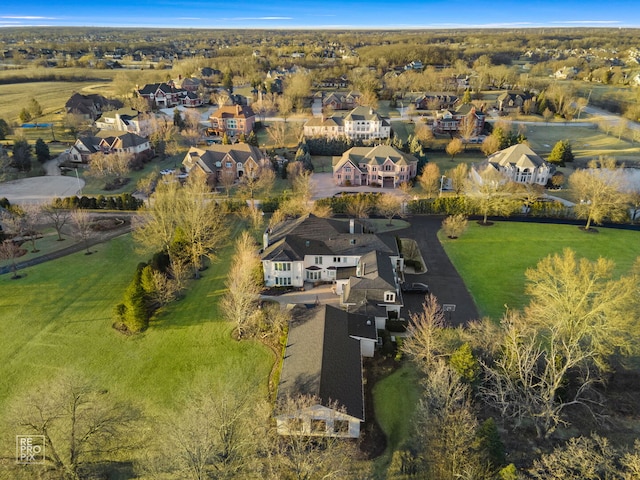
441	276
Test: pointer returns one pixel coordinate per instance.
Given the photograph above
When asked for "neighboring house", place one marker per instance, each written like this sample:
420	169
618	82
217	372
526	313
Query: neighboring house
110	142
361	123
89	107
565	73
225	161
455	122
435	101
381	165
323	359
190	84
232	120
341	100
513	102
415	65
520	164
125	120
163	95
333	82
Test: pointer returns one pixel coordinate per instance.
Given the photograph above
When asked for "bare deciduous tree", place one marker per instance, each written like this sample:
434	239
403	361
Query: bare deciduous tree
429	179
80	423
599	192
57	216
424	342
244	285
82	227
458	176
454	225
389	206
491	193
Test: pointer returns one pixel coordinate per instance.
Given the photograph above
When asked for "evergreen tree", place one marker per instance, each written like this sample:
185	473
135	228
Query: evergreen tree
561	153
252	139
134	311
225	139
466	98
24	115
42	151
490	443
242	138
177	119
21	155
5	129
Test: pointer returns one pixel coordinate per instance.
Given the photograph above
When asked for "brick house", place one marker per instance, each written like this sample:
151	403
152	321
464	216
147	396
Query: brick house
232	120
381	165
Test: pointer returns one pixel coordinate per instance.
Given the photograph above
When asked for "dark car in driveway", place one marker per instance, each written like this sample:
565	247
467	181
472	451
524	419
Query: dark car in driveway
415	288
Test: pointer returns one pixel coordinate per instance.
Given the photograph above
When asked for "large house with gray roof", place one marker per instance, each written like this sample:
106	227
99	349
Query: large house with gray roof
323	361
520	164
217	162
106	142
365	268
382	165
361	123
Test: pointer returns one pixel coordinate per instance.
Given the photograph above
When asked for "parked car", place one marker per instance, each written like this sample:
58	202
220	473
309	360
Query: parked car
415	288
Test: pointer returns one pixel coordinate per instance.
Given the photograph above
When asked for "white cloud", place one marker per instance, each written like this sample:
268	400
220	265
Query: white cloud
26	17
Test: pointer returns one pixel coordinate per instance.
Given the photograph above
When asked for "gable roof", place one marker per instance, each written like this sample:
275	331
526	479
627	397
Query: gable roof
322	359
233	111
364	113
375	156
519	155
292	240
376	278
210	158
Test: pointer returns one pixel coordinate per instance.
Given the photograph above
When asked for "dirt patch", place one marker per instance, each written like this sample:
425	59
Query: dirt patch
107	224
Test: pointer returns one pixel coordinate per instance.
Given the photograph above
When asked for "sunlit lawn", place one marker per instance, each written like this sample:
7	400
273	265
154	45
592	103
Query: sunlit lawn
58	317
492	260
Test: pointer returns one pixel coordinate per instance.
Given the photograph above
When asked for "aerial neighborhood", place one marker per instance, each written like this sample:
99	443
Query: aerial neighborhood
320	254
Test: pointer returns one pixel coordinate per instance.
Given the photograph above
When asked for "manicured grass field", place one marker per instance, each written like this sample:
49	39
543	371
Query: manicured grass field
492	260
394	401
59	317
586	143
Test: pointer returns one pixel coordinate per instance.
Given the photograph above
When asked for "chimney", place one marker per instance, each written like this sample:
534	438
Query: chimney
265	239
352	226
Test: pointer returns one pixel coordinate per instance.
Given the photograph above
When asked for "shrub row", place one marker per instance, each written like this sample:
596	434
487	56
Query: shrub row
124	201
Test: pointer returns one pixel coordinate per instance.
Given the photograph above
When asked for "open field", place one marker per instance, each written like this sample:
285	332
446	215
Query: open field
59	317
495	276
586	143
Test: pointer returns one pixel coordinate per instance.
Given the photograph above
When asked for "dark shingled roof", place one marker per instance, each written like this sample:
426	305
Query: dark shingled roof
322	359
310	235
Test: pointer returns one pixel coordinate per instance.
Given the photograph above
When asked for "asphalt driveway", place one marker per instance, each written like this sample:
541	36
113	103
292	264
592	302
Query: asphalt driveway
441	276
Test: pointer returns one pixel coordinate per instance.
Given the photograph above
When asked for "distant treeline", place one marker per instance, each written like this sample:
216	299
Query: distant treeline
51	77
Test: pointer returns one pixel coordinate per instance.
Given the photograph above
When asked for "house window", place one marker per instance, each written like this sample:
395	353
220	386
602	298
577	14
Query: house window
389	297
347	169
283	281
227	165
341	426
313	275
336	259
318	426
282	266
318	261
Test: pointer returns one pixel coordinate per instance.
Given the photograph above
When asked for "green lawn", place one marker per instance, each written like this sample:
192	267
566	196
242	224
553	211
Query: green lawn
492	260
394	400
586	143
59	317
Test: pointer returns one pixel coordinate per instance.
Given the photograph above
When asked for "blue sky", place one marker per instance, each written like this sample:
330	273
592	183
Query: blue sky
322	13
